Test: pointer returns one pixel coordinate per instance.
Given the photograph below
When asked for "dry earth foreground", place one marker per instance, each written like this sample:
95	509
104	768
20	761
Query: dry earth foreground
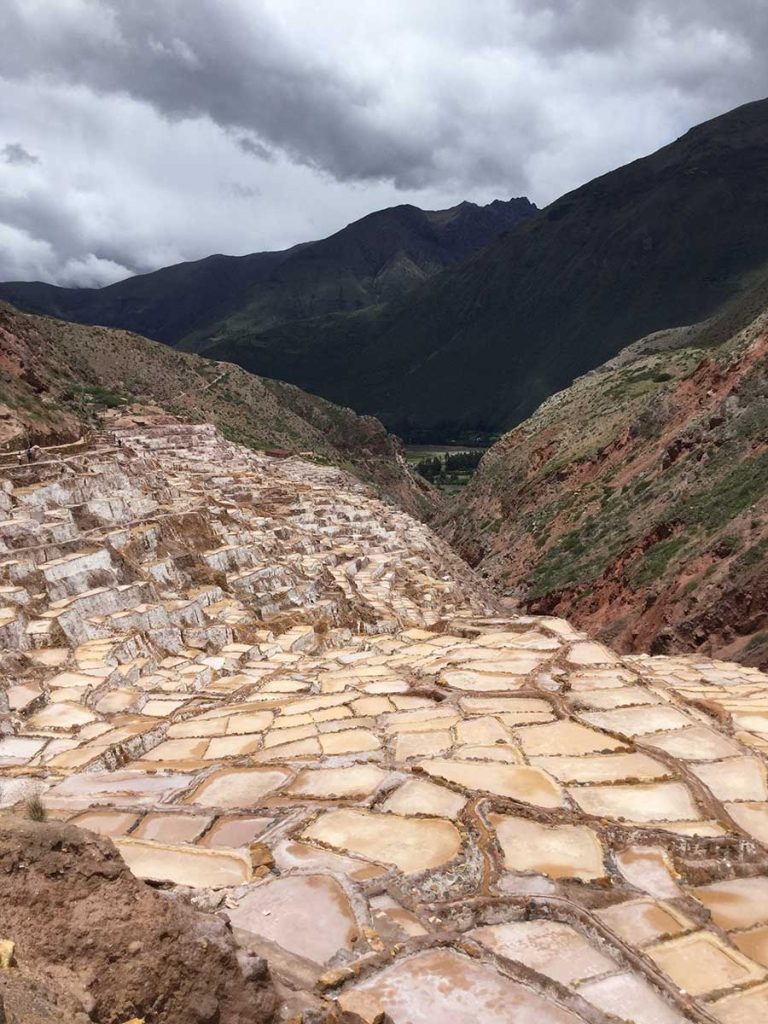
293	704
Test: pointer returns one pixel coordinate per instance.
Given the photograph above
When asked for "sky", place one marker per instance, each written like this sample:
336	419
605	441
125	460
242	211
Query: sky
139	133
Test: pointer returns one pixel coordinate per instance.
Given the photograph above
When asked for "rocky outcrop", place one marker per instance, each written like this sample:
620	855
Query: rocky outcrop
83	924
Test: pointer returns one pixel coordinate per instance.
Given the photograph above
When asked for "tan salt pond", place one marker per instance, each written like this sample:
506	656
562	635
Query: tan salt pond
640	803
512	705
417	796
602	767
478	682
737	778
184	865
120	787
357	780
238	787
736	903
517	782
221	747
350	741
61	716
750	1007
549	947
498	752
411	844
637	721
559	851
622	696
289	910
630	998
697	743
641	921
600	679
649	868
106	823
564	737
172	828
249	722
753	944
195	727
441	985
588	653
752	817
485	730
116	701
701	963
422	744
231	832
177	750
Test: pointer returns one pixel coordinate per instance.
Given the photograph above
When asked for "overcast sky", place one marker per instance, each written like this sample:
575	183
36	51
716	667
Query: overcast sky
138	133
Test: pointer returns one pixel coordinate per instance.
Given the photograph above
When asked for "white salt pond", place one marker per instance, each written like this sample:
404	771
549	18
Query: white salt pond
443	986
559	851
549	947
309	915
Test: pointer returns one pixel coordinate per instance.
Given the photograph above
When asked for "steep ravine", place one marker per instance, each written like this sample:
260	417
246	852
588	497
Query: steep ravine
635	503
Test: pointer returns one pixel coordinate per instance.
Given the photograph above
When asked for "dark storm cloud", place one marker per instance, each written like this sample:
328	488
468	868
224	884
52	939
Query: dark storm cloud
254	148
223	61
14	153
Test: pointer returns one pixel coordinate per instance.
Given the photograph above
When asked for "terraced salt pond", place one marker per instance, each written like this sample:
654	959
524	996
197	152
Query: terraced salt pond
300	706
559	851
411	844
446	986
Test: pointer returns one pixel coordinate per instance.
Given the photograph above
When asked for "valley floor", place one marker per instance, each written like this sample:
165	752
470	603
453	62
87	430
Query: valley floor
294	705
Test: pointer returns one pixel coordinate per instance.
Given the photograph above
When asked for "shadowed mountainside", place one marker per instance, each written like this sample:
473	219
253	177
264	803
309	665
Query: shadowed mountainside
380	257
663	241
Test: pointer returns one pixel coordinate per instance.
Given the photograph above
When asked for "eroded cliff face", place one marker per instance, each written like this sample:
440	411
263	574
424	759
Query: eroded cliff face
636	501
293	706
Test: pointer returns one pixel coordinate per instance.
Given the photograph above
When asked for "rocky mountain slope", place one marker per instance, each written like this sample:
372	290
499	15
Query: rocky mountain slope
636	501
380	257
290	705
55	377
661	242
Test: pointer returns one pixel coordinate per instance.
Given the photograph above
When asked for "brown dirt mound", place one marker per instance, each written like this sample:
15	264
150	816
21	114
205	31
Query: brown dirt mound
85	926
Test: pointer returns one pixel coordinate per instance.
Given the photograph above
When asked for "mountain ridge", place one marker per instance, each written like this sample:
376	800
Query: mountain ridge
187	303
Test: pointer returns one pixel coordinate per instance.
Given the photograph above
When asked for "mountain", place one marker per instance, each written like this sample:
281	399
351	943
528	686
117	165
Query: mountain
380	257
663	241
56	378
636	501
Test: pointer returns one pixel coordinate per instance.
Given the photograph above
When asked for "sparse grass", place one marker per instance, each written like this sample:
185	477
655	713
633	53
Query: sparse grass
34	808
99	395
734	492
654	561
751	557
